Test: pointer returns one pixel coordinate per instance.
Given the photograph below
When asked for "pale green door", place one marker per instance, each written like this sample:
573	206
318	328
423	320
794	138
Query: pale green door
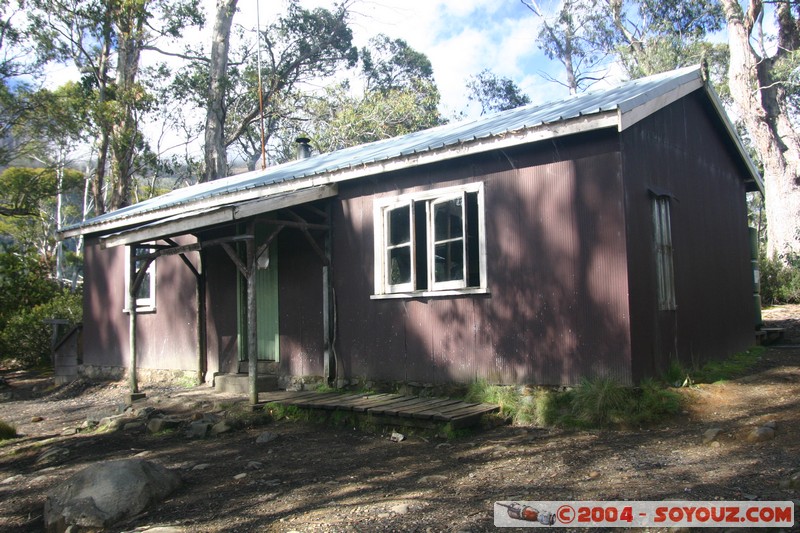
267	332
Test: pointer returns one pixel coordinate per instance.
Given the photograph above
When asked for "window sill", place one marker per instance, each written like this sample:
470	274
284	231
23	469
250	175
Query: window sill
429	294
141	310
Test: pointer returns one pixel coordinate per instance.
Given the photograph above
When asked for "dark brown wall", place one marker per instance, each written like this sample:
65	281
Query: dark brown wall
557	274
221	302
680	150
166	338
300	305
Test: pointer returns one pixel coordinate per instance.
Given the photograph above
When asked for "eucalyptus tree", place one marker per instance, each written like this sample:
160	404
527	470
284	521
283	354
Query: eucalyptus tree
105	39
393	92
764	80
495	93
643	36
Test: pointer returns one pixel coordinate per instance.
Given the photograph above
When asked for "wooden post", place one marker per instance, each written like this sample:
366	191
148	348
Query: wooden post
326	304
202	347
252	355
132	289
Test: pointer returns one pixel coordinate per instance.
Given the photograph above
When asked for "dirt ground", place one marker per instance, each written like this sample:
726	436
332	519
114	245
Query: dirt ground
323	478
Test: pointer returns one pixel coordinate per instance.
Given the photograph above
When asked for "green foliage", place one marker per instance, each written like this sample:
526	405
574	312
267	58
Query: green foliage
494	93
731	368
780	280
279	411
7	431
24	283
600	402
26	338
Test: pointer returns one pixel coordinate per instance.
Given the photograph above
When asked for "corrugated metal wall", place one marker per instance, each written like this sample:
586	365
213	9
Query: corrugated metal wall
167	338
679	151
557	275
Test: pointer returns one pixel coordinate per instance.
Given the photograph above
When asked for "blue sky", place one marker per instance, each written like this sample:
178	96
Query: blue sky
460	37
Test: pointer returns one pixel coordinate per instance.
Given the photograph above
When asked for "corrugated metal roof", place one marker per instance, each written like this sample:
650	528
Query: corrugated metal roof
532	117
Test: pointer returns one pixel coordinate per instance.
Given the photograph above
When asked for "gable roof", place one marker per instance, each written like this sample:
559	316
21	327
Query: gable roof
304	180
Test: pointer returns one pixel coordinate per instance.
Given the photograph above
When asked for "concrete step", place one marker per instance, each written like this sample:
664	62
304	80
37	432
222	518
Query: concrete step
239	383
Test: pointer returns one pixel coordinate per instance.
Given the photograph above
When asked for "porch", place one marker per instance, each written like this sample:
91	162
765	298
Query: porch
387	409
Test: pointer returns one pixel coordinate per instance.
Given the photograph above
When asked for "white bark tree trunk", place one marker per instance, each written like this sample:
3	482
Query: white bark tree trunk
762	105
216	160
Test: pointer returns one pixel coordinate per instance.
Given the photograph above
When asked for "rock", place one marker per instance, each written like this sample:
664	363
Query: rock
221	427
594	474
198	429
201	466
400	508
255	465
266	437
711	435
792	482
115	422
105	493
156	425
397	437
434	478
69	431
240	476
35	419
772	424
761	434
52	456
133	426
143	412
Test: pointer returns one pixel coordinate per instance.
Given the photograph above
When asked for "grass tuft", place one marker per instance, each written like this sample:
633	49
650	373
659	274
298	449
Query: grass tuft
7	431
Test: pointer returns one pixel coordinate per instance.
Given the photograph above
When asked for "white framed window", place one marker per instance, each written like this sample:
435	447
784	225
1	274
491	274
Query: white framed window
146	295
662	238
430	243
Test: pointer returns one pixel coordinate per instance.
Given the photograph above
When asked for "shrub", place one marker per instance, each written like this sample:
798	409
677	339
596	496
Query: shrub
780	280
26	337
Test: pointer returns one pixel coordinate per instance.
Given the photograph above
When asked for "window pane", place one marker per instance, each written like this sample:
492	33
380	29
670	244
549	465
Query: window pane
448	218
144	288
449	261
399	265
399	226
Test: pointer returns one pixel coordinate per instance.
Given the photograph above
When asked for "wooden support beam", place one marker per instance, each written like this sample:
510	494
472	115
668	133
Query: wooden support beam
252	355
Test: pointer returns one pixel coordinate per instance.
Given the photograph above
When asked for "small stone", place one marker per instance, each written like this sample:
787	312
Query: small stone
761	434
36	419
266	437
156	425
255	465
401	508
201	466
715	444
434	478
397	437
711	435
221	427
594	474
772	424
240	476
750	497
133	426
792	482
198	429
53	455
69	431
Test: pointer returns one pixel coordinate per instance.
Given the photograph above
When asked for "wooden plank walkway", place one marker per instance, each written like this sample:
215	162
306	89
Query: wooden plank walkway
411	408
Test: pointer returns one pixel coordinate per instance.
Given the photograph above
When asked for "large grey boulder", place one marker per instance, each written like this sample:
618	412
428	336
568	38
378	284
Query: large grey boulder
105	493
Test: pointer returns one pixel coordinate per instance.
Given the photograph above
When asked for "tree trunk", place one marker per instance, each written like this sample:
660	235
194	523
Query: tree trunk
215	155
130	28
761	102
